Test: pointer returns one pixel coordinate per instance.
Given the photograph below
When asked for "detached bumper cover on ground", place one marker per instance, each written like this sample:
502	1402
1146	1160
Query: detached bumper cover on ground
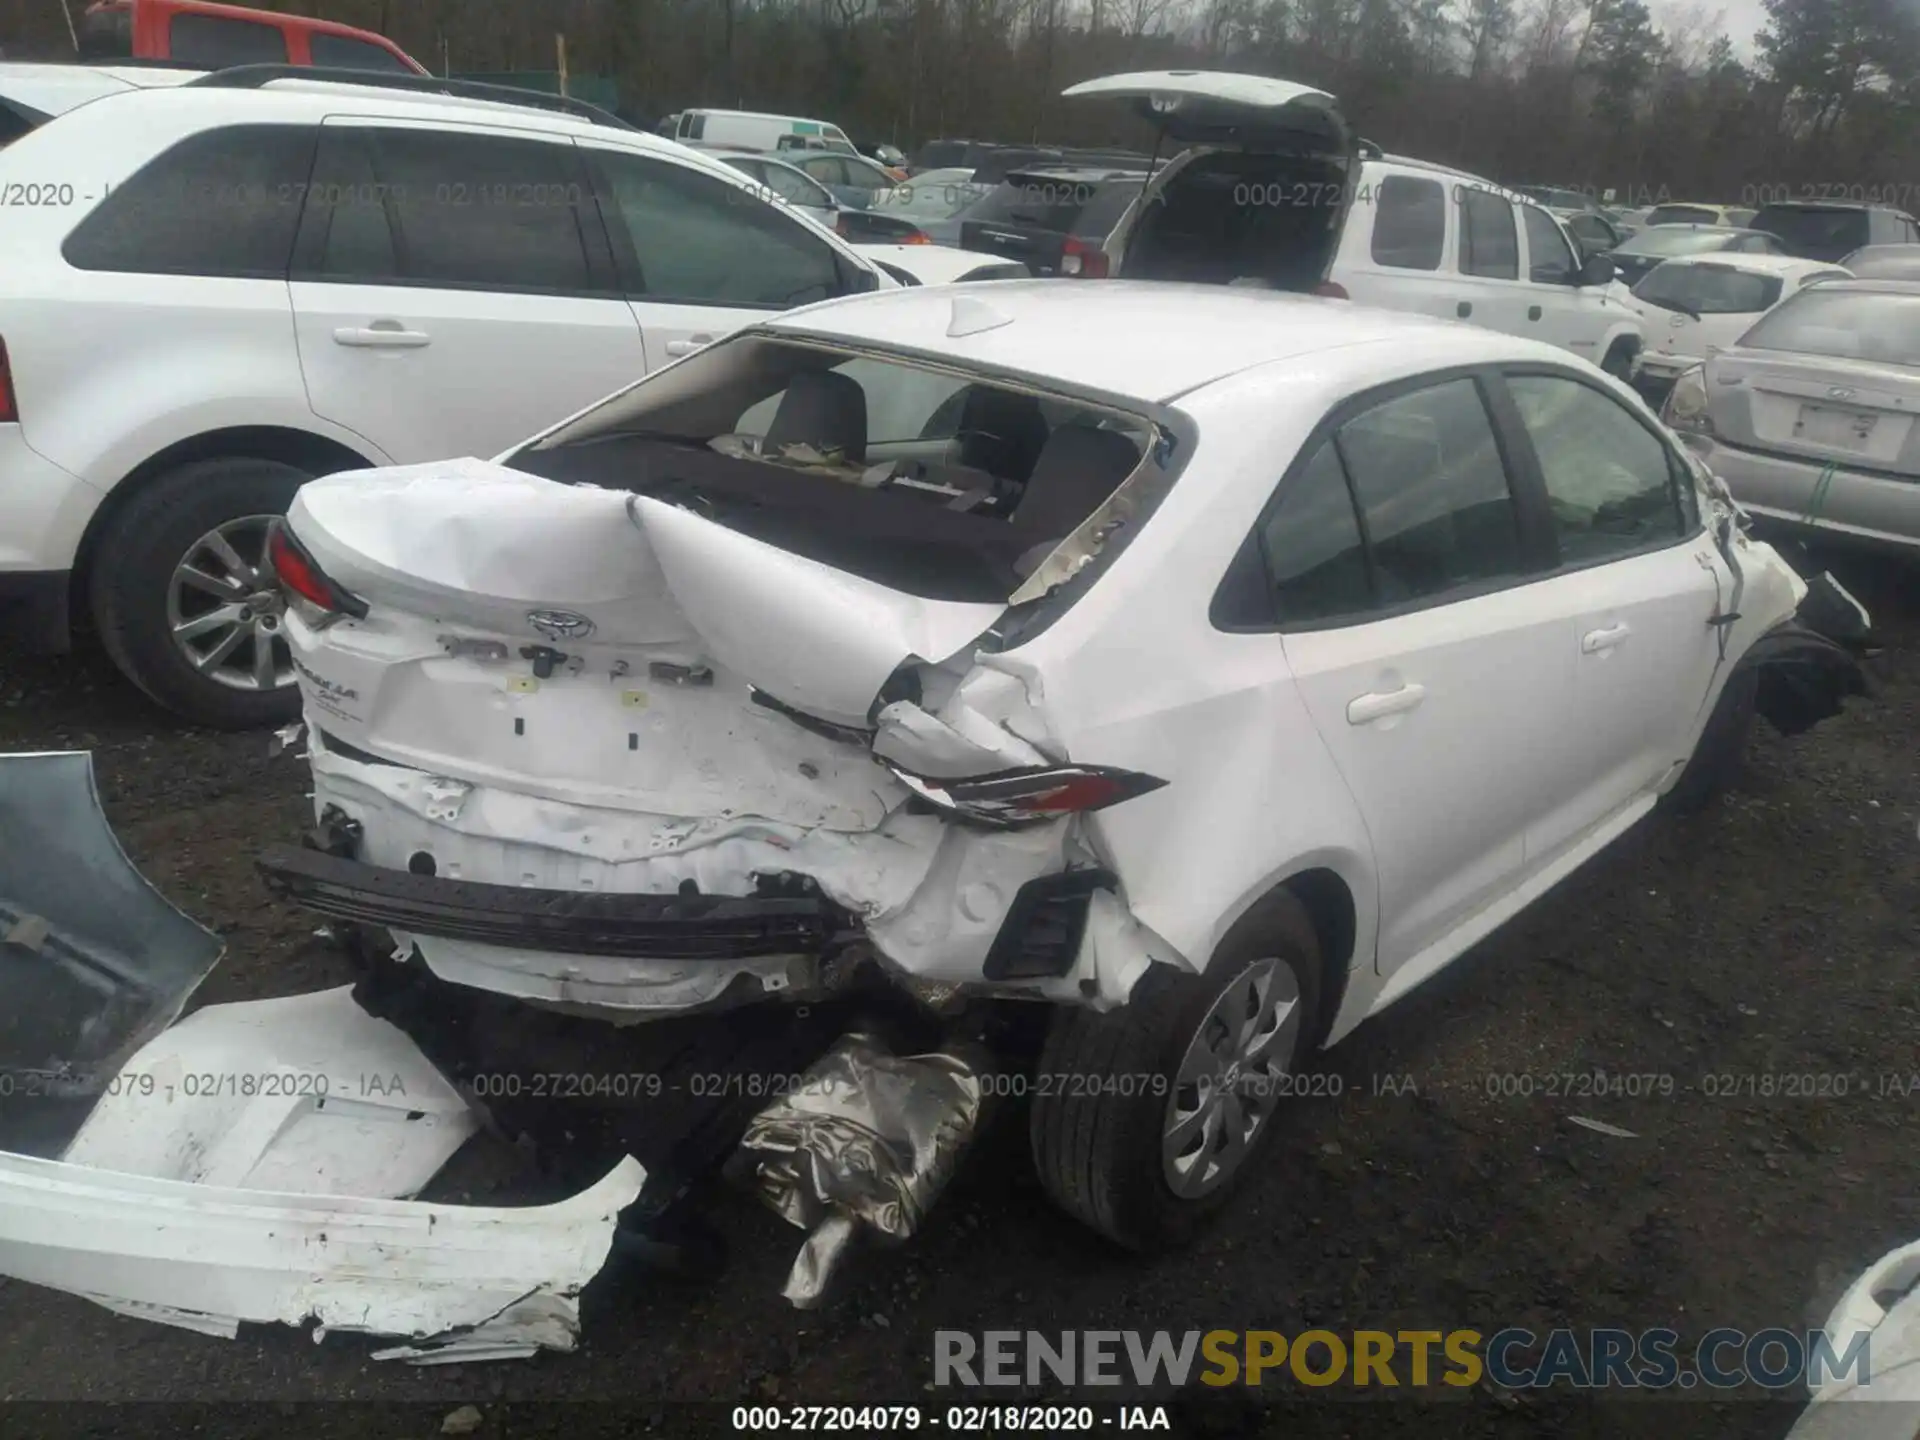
249	1163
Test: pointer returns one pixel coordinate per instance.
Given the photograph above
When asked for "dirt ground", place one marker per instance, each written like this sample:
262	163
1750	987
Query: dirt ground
1776	934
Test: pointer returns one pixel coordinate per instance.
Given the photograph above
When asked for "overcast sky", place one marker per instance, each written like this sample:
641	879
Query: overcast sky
1741	18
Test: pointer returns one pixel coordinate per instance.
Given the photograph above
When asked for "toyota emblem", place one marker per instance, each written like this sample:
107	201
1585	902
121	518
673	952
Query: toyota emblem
1839	392
560	624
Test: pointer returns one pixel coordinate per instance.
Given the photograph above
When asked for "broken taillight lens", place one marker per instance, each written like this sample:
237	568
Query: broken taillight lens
9	411
302	578
1024	797
1083	260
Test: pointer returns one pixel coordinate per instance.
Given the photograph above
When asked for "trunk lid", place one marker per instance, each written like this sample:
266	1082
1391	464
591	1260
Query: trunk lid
593	647
1855	413
1194	107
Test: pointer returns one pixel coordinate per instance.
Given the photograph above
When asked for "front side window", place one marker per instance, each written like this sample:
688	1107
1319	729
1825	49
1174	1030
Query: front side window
1409	223
1433	492
699	240
1609	480
223	202
1549	258
215	42
1489	243
442	208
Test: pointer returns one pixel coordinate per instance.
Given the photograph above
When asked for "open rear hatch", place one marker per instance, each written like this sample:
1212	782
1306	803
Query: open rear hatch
1259	197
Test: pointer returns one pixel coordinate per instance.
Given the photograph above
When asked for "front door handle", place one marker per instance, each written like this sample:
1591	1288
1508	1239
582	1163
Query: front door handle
1377	705
1463	309
381	335
1595	641
687	346
1533	312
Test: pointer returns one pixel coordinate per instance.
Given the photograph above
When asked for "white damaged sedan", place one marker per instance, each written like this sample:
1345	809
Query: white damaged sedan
1213	665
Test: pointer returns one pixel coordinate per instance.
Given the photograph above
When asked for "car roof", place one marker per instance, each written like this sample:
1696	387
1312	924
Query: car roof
1077	174
1146	339
1871	284
54	89
296	99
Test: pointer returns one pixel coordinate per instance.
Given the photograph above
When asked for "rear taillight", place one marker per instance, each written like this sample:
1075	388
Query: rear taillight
9	411
1332	290
917	237
303	579
1025	797
840	225
1082	260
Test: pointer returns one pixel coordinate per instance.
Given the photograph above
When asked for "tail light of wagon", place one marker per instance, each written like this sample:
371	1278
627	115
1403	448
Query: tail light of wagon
9	410
1083	260
1029	796
304	581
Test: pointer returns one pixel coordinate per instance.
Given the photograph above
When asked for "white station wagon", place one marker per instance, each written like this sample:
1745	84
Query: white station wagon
1215	666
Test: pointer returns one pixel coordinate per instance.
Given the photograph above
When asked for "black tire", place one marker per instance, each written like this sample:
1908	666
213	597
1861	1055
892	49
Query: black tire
133	568
1716	759
1098	1149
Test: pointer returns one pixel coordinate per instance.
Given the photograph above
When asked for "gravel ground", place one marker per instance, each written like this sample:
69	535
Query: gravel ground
1774	934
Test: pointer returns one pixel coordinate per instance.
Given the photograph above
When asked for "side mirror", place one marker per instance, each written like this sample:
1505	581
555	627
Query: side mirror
1598	270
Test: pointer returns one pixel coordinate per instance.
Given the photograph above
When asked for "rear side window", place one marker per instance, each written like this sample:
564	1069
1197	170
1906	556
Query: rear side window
1316	560
217	42
1489	246
1409	223
1433	492
1609	482
223	202
351	54
428	207
697	239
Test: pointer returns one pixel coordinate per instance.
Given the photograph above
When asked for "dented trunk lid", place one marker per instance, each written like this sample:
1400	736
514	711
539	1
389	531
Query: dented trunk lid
596	647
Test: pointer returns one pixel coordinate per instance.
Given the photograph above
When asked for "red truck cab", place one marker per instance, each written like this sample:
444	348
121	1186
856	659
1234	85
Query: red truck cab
203	34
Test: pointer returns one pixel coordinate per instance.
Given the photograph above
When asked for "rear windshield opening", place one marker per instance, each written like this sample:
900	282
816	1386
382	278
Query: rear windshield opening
937	483
1235	217
1709	289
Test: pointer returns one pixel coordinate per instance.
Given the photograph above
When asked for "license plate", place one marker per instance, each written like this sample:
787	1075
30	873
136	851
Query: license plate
1841	429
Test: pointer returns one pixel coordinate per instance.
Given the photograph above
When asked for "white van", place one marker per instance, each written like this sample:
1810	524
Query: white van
1274	191
749	130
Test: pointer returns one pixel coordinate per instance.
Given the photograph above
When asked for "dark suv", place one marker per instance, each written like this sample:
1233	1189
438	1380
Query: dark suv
1054	220
1831	231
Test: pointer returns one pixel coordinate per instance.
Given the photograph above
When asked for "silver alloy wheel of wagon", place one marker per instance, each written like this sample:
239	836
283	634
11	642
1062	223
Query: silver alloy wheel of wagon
224	609
1229	1081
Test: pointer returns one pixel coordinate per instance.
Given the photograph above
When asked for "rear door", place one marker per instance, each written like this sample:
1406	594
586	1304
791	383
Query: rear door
1438	683
1490	289
452	287
1636	584
698	257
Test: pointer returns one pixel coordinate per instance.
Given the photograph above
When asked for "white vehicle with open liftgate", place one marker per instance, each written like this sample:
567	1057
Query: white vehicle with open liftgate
1216	666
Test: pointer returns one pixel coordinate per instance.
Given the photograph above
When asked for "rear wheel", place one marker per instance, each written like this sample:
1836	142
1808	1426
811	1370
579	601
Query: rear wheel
1148	1119
1619	360
185	598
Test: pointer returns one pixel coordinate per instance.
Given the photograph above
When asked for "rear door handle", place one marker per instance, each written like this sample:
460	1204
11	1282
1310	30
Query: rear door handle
1377	705
1595	641
1463	309
689	345
381	335
1533	312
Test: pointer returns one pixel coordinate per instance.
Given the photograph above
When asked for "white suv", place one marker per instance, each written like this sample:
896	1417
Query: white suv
1274	191
216	291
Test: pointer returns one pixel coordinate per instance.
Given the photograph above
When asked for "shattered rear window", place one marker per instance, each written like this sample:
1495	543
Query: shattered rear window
939	482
